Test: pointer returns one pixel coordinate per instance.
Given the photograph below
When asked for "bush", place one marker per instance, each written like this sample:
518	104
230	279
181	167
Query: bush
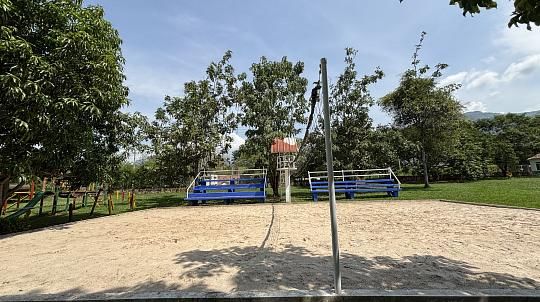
8	226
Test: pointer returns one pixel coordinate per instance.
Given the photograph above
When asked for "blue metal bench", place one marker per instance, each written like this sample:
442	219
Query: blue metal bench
356	181
227	190
360	186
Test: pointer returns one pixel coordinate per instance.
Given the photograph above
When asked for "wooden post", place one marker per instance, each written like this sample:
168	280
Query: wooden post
41	204
4	188
55	200
112	201
109	204
95	202
18	200
4	205
130	196
32	189
97	188
70	217
67	201
105	193
123	195
44	185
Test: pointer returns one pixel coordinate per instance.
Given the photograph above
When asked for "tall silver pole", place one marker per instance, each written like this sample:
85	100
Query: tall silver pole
331	185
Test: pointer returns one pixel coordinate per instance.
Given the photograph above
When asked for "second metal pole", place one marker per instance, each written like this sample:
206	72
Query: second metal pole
331	185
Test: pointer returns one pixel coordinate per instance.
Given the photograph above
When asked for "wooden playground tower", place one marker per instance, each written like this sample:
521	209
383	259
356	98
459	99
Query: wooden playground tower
286	150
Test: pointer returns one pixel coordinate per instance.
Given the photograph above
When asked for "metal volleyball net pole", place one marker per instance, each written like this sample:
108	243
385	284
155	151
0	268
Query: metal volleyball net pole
331	185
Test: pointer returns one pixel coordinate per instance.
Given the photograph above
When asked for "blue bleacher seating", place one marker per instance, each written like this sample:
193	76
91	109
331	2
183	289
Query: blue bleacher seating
350	187
228	190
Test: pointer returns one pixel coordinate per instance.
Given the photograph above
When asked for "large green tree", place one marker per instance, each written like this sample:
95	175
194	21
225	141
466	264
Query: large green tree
514	137
470	157
61	81
427	112
350	122
351	126
388	147
273	106
192	131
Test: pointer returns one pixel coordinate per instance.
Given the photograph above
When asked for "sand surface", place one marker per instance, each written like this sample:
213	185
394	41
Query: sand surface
384	245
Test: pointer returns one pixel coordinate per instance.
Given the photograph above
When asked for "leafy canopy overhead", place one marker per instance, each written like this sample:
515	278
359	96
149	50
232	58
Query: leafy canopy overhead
61	81
525	11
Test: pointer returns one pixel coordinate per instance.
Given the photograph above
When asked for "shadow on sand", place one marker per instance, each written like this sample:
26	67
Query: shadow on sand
292	267
264	269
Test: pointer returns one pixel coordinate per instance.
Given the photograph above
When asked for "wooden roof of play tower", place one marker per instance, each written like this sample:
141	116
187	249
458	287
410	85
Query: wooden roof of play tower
281	146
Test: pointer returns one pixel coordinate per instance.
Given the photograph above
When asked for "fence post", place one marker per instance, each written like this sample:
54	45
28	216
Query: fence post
70	209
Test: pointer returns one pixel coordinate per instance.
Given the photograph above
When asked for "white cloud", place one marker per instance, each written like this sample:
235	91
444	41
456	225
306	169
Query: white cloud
237	142
518	41
152	84
489	59
474	79
457	78
524	67
474	106
491	90
483	79
185	21
494	93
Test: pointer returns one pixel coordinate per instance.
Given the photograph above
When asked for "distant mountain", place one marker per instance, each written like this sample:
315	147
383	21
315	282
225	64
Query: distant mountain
478	115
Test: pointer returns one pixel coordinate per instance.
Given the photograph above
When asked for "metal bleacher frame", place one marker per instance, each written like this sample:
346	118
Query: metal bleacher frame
227	185
355	181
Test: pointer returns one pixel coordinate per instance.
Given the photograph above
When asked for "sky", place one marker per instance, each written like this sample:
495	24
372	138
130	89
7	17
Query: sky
167	43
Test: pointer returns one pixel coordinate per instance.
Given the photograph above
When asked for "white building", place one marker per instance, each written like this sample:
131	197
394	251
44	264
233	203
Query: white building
535	163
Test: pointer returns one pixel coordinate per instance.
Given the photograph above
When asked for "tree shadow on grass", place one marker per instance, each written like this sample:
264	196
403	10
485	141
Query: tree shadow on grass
420	188
159	201
49	222
304	195
61	219
341	197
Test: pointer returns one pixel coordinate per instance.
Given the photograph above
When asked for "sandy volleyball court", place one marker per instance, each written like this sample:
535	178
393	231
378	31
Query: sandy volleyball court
384	245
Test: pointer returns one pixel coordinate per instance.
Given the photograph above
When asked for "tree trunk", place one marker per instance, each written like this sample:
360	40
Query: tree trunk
424	164
274	182
5	192
4	188
95	201
273	174
15	189
55	199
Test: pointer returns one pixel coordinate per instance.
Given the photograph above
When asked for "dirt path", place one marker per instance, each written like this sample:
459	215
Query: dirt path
384	245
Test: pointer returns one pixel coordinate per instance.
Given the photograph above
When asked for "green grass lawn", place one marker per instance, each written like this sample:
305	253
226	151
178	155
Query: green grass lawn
143	201
522	192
